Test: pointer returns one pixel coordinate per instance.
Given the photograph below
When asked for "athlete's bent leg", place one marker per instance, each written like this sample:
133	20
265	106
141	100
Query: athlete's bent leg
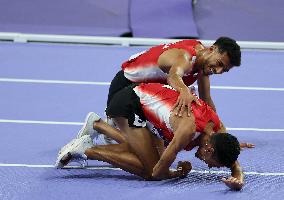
104	128
119	156
140	143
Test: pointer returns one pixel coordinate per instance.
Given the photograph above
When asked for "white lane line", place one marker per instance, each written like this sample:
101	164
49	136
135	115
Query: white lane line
81	123
15	80
246	173
118	169
39	122
257	129
52	166
246	88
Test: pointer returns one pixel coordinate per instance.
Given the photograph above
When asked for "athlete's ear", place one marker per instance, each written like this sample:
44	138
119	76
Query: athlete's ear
212	48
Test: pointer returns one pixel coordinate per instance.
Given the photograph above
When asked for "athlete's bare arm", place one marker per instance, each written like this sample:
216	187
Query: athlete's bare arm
177	59
177	62
183	132
236	181
203	83
243	145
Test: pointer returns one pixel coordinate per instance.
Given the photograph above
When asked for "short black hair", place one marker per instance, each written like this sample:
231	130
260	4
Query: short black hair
227	148
230	46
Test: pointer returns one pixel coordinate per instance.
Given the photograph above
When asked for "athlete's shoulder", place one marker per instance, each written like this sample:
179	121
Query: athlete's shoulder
188	42
187	45
179	43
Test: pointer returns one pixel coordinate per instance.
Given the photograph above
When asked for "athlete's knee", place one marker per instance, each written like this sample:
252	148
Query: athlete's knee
90	152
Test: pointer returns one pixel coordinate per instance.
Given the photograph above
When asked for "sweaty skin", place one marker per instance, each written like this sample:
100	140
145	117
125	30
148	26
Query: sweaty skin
184	128
177	62
140	152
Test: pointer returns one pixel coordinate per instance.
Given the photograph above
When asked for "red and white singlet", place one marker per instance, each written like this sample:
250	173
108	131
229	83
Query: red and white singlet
143	67
157	102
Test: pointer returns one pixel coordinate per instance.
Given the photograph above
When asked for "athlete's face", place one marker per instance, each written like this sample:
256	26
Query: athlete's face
215	62
206	154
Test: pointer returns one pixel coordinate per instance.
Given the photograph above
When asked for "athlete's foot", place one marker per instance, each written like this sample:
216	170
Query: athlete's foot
75	150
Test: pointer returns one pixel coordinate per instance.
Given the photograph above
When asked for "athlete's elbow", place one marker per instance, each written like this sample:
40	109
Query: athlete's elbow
151	176
148	177
158	172
155	176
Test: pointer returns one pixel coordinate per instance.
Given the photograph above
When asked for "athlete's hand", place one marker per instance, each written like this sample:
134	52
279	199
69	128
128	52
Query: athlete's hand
233	183
183	168
246	145
184	100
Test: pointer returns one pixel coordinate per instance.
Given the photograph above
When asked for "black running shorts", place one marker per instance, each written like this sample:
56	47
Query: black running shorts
118	83
125	103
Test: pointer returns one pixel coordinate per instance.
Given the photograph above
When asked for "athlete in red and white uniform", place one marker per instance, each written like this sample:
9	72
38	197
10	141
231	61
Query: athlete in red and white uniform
158	101
141	153
179	65
144	68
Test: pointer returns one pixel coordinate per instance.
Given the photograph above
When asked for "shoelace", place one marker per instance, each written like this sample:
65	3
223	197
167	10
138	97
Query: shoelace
82	162
78	159
66	146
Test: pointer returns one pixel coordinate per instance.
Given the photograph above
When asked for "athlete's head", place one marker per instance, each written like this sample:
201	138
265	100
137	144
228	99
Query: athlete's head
221	150
222	56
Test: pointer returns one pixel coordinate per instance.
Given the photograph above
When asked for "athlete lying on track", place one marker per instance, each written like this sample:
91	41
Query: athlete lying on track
143	153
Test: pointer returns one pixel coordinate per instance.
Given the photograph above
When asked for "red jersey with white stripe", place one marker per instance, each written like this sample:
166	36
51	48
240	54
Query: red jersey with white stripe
143	67
157	102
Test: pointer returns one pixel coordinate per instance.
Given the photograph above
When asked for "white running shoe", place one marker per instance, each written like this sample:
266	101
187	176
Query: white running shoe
87	128
74	149
66	146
